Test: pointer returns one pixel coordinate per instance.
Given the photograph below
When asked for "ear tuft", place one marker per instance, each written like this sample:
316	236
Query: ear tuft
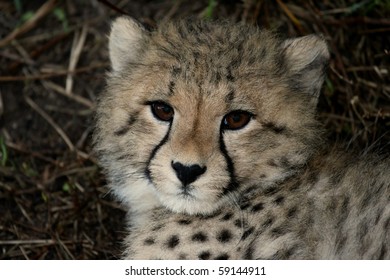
307	59
126	40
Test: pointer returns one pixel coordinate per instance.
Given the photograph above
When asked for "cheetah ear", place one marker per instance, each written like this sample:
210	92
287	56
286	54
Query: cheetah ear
127	39
307	60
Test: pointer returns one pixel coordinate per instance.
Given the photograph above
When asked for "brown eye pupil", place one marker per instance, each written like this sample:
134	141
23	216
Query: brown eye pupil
162	111
236	120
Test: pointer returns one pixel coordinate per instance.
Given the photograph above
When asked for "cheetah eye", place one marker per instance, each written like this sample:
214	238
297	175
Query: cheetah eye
236	120
162	111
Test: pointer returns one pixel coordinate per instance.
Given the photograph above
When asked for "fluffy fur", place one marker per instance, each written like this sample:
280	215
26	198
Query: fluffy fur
270	189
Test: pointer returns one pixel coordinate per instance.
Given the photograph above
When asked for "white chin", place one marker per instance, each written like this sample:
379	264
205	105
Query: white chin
188	204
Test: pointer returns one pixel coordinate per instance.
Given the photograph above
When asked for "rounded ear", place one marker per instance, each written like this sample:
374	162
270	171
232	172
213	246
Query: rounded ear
307	59
126	40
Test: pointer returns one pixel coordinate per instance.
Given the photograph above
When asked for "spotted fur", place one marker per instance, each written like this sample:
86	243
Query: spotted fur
197	189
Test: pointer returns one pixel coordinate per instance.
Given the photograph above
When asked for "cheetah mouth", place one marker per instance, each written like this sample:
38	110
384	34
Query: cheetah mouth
186	194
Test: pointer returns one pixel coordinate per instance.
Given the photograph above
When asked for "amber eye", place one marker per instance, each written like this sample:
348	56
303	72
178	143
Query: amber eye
236	120
162	111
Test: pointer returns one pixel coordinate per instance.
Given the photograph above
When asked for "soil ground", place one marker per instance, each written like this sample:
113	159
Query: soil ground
53	60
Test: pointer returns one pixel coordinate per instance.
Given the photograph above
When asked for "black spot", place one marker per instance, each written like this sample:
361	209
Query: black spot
173	241
184	222
278	129
230	77
247	233
278	231
268	222
224	236
182	256
258	207
279	200
292	212
383	251
341	240
199	237
223	256
123	130
343	212
386	224
377	218
362	230
262	53
272	163
284	254
295	187
158	227
238	223
217	76
229	97
248	253
244	205
204	255
149	241
270	191
171	87
176	71
227	216
285	162
209	216
290	252
313	177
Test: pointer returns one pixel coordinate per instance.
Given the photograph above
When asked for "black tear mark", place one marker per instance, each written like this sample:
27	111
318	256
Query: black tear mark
153	154
230	166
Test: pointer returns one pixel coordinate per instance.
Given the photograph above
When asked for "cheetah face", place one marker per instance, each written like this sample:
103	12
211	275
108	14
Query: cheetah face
192	115
189	166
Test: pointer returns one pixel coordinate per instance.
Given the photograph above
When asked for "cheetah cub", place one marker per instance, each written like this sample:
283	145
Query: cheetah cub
207	133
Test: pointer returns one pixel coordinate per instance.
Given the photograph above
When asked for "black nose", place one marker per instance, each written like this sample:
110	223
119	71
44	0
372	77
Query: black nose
187	173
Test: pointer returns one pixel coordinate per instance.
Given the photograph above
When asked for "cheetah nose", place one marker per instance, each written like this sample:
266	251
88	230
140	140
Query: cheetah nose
187	173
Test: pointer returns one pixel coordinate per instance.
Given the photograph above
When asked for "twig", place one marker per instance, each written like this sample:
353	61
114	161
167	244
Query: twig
43	114
60	242
28	242
72	96
21	149
51	75
31	23
1	105
292	17
113	7
372	84
77	47
39	50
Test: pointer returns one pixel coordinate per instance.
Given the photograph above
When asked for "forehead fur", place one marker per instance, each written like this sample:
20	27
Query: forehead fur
219	47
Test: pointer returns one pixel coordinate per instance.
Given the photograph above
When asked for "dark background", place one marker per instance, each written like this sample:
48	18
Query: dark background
53	59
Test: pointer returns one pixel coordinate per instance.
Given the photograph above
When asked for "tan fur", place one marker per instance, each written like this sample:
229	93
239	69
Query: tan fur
204	73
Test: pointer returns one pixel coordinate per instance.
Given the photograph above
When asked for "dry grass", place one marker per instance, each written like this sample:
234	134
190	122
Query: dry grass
53	203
